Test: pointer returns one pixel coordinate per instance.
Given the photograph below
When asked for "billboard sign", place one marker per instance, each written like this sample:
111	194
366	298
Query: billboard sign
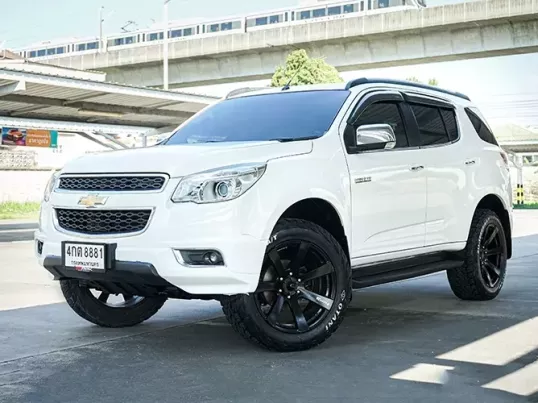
12	136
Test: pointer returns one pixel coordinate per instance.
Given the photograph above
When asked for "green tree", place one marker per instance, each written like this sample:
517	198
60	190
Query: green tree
305	71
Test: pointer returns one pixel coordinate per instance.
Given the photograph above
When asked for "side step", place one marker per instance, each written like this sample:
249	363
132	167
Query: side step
388	272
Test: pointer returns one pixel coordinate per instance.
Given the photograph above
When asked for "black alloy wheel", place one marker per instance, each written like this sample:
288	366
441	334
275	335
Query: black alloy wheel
303	291
481	277
298	287
98	306
491	256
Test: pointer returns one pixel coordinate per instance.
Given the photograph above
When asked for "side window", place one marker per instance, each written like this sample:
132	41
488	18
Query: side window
430	124
449	117
483	132
385	113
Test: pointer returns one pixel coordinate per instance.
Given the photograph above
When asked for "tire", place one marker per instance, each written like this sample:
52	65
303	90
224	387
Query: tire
282	298
477	280
88	307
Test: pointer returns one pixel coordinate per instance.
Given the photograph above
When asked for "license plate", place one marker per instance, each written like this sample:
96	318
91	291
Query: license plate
84	256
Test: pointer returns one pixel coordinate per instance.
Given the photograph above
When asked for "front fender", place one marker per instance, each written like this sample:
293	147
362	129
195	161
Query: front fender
290	180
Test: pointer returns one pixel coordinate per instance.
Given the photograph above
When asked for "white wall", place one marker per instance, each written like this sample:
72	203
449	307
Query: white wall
23	186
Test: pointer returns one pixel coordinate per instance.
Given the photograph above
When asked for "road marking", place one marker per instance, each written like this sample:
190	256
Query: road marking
499	348
522	382
428	373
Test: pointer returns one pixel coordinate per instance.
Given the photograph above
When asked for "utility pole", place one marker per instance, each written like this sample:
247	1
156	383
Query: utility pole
165	45
101	20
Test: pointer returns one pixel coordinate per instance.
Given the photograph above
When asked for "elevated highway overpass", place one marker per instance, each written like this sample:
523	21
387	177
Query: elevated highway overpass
473	29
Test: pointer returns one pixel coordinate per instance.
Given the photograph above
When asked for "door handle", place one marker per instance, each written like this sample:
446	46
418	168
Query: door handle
470	162
417	168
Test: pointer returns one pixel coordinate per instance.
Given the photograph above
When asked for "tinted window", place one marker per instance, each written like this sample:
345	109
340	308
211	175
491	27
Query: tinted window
431	126
286	115
335	10
320	12
449	117
261	21
481	128
385	113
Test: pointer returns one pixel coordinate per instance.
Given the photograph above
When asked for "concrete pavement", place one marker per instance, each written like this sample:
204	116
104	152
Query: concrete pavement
411	341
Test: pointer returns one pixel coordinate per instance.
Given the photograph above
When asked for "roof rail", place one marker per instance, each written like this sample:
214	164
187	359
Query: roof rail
239	91
360	81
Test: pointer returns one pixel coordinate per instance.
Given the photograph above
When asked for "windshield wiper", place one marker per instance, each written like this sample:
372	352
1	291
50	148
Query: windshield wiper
290	139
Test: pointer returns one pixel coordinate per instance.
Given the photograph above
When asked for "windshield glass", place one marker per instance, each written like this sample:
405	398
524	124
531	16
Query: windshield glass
276	116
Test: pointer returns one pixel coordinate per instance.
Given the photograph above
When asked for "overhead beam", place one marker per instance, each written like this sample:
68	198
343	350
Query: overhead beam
91	138
98	107
92	106
111	139
85	97
13	87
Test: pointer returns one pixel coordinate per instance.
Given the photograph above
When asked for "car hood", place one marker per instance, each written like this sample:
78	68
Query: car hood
185	159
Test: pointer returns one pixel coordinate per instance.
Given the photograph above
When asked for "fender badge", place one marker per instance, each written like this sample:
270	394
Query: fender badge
92	201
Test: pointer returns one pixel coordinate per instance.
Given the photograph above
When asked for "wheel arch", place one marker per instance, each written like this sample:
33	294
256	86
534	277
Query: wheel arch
321	212
495	203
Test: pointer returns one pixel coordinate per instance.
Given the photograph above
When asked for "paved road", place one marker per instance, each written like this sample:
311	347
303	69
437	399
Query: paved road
406	342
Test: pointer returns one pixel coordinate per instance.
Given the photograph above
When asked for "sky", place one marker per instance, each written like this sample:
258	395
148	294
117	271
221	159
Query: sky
505	88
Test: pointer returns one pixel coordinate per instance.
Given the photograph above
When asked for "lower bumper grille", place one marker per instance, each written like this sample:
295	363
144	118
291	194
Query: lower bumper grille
103	222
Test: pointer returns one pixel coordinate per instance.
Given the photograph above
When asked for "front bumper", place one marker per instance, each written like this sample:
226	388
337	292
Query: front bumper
172	227
136	278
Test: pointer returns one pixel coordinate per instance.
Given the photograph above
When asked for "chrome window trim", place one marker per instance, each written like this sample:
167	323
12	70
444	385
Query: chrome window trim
363	95
100	236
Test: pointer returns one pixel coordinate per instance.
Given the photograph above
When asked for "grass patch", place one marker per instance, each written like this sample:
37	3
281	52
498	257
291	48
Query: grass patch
526	206
15	210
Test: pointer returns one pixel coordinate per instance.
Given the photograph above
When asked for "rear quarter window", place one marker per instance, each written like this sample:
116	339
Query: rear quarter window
481	127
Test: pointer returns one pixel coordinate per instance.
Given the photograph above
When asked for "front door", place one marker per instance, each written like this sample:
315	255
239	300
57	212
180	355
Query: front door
388	187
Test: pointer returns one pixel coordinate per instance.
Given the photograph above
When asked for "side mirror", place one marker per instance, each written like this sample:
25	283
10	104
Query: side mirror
375	137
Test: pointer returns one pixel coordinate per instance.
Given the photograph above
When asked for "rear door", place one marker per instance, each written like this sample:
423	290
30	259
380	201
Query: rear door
447	162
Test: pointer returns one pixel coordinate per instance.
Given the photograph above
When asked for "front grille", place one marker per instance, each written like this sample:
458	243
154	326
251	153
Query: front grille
112	183
103	222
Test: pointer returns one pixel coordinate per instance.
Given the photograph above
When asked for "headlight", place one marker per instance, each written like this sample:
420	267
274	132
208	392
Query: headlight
50	186
218	185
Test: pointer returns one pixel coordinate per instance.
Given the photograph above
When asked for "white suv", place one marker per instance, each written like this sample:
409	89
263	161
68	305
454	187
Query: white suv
280	202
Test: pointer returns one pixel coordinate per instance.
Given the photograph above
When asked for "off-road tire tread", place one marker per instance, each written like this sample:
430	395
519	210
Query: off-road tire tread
241	322
463	280
101	316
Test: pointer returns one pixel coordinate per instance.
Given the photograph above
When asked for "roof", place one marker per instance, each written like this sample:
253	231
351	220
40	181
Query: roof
397	84
42	95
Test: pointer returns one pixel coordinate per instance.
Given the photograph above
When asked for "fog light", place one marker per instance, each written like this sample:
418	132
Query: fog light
202	257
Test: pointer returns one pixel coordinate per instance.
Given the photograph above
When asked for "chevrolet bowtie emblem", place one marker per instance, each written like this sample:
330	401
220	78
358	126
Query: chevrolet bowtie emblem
92	201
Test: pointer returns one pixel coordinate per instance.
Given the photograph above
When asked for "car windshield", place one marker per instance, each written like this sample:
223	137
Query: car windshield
284	116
